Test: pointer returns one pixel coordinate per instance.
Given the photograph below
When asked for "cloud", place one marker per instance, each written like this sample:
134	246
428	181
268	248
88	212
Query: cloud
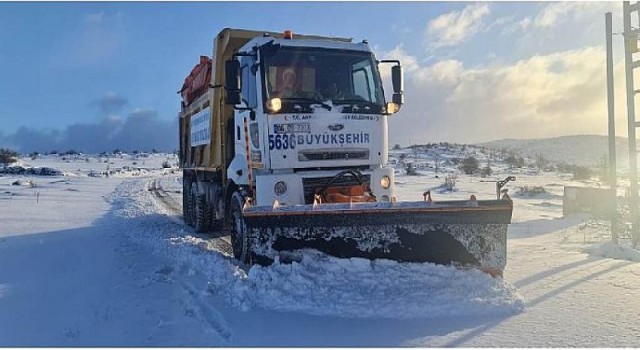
88	137
516	27
141	129
452	28
541	96
30	140
556	13
409	63
552	14
549	27
110	103
500	23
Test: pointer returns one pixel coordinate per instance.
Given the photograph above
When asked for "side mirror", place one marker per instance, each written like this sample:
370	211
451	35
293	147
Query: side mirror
396	78
398	87
232	82
398	98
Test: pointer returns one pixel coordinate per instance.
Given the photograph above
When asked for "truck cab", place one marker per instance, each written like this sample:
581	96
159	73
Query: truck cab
309	115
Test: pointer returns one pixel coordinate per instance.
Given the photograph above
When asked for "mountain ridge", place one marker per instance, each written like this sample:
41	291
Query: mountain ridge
583	150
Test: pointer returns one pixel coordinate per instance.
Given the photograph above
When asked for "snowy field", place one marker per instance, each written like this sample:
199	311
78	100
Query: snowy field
93	260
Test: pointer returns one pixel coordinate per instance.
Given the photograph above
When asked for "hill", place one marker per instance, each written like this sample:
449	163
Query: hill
583	150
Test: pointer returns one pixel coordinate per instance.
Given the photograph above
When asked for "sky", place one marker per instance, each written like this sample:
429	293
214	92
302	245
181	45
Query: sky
95	76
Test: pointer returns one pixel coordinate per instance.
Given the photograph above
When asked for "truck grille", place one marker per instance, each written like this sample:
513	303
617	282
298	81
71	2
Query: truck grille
308	155
312	184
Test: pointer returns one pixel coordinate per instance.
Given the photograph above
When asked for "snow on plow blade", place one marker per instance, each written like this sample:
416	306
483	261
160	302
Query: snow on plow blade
459	233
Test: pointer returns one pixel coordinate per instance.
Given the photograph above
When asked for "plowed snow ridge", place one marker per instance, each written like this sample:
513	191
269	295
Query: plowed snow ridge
318	285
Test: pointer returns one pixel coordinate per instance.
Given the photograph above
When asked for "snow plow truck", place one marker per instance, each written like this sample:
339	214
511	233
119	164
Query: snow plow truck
283	142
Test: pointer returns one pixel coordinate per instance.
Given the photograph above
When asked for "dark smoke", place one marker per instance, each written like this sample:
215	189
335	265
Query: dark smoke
111	103
141	130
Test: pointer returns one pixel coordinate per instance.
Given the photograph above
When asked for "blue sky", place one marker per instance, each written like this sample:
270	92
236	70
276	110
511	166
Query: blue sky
104	63
70	55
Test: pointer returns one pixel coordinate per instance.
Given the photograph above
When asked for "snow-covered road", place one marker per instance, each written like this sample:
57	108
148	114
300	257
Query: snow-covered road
86	285
107	261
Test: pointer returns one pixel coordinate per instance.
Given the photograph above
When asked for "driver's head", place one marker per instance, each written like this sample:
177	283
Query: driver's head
289	78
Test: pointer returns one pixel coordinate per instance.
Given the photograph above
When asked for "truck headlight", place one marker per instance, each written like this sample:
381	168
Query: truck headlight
385	182
274	105
280	188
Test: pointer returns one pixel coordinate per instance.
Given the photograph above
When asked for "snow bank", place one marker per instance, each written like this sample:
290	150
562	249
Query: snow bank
613	251
319	284
359	288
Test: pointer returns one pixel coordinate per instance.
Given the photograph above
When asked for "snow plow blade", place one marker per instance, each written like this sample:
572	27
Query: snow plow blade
459	233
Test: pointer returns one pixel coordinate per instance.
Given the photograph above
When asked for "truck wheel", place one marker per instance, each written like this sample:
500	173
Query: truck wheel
202	214
192	205
187	214
239	234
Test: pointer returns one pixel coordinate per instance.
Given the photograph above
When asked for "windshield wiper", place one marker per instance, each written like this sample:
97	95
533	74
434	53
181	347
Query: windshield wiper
309	101
358	103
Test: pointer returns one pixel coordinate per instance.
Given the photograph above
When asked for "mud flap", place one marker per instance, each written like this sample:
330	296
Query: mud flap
451	233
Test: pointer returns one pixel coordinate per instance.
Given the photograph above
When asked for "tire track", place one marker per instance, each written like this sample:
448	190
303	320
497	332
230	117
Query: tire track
195	302
218	240
155	187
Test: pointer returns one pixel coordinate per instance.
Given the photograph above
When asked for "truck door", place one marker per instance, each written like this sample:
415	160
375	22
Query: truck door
250	101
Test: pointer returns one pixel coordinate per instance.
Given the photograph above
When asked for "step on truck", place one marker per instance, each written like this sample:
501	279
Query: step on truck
283	143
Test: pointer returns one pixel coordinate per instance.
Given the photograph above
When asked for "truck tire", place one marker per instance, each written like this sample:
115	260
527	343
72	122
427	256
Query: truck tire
239	235
187	214
202	214
191	206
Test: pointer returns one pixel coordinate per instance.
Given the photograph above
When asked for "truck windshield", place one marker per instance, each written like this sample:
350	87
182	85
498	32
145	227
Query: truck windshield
298	75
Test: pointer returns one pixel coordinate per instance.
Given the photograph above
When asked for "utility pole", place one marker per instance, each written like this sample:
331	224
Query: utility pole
631	46
613	177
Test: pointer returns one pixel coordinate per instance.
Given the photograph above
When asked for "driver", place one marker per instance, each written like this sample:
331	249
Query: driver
289	80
